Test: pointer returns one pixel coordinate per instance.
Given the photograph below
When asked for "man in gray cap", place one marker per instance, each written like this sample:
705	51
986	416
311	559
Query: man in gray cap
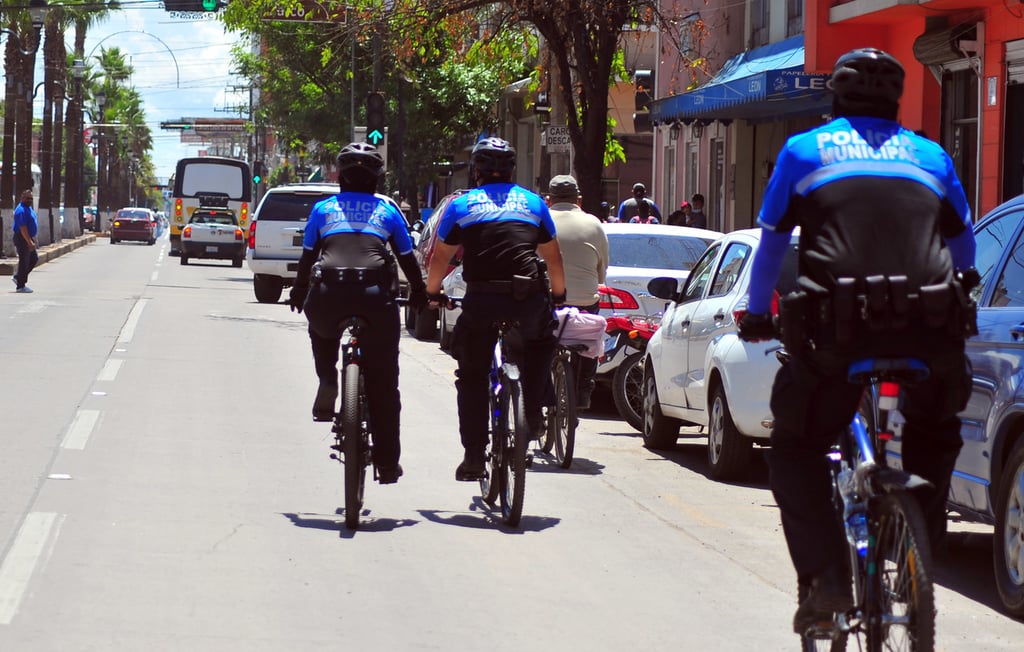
644	210
585	261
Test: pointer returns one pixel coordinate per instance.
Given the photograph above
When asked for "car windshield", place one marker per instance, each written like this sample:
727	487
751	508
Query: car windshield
655	251
209	218
133	215
290	206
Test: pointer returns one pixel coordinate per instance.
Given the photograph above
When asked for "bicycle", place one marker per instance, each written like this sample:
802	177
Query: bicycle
894	600
504	479
351	425
562	419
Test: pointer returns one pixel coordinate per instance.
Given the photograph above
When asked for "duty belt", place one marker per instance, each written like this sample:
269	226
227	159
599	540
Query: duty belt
355	276
508	287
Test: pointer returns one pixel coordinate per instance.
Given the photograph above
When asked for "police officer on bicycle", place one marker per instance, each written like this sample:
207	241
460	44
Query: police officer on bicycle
346	270
886	254
501	227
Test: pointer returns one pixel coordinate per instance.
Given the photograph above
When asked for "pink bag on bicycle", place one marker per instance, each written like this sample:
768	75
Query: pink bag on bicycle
576	327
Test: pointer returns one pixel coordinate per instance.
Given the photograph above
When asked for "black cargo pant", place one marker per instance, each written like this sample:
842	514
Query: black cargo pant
327	307
812	400
27	259
531	346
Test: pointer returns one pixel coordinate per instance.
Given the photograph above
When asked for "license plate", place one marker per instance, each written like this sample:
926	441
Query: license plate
297	241
212	249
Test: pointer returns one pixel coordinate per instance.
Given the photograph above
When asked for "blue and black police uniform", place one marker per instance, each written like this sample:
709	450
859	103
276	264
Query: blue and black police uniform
884	224
356	275
499	226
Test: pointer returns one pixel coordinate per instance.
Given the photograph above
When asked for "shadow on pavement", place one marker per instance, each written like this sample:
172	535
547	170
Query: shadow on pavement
693	455
336	522
964	565
546	463
488	518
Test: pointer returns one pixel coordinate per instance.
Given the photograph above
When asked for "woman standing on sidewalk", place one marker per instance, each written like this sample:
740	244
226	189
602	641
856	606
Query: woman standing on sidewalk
25	228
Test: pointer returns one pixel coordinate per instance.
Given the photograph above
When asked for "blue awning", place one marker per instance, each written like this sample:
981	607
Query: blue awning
764	84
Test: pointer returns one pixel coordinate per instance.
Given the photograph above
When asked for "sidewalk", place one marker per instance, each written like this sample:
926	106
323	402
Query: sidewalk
48	252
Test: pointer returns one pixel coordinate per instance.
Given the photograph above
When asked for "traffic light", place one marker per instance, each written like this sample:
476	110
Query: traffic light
197	6
375	121
258	172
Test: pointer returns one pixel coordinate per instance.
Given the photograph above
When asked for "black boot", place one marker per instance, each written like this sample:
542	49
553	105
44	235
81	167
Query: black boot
830	593
324	404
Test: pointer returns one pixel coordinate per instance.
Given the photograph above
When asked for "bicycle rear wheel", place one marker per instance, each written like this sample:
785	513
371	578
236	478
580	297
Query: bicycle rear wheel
562	418
902	616
513	458
490	484
351	428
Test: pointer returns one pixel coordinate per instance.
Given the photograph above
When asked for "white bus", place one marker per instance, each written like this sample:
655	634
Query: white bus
215	179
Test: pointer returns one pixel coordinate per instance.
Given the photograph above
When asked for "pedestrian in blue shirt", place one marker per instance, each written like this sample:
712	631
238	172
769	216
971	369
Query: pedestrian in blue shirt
25	228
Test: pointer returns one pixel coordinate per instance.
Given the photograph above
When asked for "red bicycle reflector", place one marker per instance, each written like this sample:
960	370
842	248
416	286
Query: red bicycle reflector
885	436
737	315
888	396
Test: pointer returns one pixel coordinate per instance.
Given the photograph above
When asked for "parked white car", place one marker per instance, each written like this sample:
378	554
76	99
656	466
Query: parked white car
697	370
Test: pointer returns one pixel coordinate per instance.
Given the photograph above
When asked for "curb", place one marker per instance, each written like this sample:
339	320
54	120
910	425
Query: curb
9	266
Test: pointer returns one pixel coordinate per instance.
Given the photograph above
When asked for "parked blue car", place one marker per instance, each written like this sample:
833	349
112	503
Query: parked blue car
988	484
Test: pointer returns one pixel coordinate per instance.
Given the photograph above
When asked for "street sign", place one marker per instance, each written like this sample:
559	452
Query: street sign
556	139
310	11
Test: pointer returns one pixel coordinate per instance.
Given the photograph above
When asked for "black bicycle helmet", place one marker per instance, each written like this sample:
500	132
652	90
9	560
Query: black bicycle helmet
867	75
360	156
493	157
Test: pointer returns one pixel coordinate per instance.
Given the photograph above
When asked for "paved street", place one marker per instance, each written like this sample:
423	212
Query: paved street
162	487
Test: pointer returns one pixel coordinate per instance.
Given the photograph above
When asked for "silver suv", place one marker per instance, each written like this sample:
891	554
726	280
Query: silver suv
275	236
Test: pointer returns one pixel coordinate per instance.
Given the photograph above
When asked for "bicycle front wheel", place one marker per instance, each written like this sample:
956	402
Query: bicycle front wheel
351	429
902	614
490	484
562	419
513	458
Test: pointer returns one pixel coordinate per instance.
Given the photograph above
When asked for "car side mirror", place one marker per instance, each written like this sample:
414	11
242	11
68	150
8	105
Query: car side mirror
417	226
663	287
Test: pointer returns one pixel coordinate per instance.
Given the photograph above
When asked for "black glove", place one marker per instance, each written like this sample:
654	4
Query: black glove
969	279
756	328
297	297
417	299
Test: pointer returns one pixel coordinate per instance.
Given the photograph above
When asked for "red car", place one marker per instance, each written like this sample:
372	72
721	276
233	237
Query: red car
133	224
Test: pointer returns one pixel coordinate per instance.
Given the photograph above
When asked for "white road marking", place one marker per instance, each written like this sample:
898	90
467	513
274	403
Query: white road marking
83	425
128	330
152	277
36	536
110	369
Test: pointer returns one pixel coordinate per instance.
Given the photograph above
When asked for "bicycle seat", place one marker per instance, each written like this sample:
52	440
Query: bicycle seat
907	370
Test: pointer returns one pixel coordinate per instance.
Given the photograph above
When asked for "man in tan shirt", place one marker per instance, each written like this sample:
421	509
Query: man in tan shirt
585	261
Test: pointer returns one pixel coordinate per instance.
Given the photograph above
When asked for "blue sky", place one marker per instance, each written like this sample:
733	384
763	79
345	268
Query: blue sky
199	86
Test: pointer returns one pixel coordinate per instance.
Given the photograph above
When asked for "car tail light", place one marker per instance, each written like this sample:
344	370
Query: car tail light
238	234
889	396
252	235
616	299
187	233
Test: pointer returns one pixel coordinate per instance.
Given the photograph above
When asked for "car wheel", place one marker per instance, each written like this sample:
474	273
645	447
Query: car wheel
113	240
1008	545
729	452
184	259
446	335
237	262
628	390
267	288
426	324
410	318
152	241
660	432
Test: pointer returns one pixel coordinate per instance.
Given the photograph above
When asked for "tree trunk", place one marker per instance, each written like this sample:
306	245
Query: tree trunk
7	200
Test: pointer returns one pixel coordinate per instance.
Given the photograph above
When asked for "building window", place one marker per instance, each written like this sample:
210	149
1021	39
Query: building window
759	22
795	17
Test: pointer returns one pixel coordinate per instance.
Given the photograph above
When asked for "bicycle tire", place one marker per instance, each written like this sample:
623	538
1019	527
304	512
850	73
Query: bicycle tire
490	484
351	428
513	459
562	419
903	616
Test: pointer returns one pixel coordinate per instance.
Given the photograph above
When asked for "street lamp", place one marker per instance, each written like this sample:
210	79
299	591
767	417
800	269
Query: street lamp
37	10
101	101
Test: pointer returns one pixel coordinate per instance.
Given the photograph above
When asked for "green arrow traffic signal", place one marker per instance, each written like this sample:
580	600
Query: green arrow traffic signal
375	137
210	5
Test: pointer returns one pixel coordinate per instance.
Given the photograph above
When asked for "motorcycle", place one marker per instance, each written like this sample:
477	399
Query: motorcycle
625	341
